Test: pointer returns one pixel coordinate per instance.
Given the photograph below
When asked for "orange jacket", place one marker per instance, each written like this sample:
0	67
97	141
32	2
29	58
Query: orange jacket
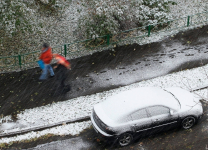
62	60
46	55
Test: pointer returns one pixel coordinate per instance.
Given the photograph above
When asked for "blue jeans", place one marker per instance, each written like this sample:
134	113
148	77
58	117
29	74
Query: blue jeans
47	67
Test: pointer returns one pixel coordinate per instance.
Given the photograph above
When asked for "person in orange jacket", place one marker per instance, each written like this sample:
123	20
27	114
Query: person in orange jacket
62	68
62	61
46	56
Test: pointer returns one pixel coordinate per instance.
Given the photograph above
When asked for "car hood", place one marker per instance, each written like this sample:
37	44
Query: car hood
185	98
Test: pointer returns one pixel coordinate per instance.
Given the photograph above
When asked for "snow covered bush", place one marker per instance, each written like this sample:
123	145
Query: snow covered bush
153	11
22	24
48	1
100	18
109	17
13	16
14	23
48	5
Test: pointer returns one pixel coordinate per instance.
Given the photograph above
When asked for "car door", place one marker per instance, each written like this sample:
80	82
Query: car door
161	118
141	121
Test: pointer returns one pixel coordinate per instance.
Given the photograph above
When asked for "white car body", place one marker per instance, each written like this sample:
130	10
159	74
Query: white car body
117	114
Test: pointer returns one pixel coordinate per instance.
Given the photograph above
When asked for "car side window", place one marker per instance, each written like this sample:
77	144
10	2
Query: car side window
158	110
140	114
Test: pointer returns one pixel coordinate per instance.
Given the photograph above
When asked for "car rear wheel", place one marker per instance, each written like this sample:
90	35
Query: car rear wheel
188	122
125	139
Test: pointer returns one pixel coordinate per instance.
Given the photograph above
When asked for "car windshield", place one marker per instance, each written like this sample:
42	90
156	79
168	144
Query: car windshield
173	96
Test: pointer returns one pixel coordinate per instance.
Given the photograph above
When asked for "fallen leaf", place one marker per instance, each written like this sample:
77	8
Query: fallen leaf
98	140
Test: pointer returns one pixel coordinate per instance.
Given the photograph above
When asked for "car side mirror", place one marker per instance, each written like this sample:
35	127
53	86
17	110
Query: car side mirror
171	112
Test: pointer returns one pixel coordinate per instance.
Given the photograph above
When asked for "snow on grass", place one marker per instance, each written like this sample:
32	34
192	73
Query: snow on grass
71	129
82	106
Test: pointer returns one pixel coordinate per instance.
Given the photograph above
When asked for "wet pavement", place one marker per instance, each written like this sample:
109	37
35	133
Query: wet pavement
105	70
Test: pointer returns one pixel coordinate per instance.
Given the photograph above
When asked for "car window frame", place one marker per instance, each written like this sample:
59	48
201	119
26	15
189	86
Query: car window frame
160	114
140	118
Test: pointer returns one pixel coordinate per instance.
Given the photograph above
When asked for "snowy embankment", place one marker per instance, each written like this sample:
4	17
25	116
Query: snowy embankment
82	106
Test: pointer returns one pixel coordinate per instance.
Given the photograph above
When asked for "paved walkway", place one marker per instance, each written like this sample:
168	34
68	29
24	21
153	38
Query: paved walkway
105	70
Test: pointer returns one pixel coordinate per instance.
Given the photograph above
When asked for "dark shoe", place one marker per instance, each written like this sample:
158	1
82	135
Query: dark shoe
52	76
41	80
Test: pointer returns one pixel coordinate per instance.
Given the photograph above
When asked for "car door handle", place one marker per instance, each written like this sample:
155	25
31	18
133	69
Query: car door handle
156	119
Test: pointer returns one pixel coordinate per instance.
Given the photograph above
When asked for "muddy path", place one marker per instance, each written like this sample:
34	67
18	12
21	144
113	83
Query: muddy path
105	70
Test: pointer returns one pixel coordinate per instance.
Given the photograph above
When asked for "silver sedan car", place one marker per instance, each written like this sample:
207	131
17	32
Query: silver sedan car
143	111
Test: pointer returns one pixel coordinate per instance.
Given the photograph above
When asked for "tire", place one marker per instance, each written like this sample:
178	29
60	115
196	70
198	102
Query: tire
188	122
125	139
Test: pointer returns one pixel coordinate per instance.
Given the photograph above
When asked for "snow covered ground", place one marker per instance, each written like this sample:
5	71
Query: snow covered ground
68	25
82	106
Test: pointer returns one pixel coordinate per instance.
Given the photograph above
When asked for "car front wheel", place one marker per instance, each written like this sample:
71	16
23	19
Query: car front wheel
188	122
125	139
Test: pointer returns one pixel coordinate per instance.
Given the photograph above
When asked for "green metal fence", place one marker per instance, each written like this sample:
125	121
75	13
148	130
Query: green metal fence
30	59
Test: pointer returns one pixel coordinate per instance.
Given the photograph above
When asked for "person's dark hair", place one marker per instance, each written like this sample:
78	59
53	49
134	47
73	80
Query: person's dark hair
45	45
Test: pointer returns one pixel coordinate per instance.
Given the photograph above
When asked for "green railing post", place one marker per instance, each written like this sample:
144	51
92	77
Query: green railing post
188	21
20	62
149	29
65	50
68	48
108	39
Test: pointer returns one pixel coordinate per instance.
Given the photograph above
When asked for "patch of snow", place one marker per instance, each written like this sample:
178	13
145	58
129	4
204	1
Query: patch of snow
71	129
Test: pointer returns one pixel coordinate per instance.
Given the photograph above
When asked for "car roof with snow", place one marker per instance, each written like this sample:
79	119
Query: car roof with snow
130	101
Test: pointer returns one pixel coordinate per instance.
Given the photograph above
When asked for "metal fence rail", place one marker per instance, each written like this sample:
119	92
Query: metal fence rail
29	60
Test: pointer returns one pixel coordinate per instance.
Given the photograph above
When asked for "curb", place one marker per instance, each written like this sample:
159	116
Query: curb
86	118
